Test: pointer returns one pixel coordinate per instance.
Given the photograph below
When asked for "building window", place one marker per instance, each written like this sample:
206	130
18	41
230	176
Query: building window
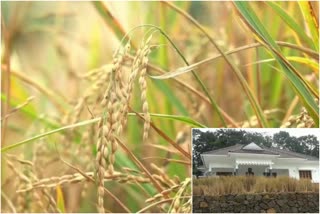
267	174
305	174
224	173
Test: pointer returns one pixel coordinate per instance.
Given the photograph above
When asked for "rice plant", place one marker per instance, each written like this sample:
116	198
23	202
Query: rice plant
98	98
251	184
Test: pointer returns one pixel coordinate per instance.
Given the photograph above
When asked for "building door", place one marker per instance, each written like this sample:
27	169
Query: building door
305	174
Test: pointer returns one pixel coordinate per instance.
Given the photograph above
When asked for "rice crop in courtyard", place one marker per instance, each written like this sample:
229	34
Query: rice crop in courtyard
251	184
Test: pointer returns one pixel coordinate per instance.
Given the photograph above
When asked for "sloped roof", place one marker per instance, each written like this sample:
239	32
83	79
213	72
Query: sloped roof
239	148
252	146
289	154
263	151
224	151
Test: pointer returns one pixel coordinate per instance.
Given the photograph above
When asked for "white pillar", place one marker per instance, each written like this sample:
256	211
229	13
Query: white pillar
235	170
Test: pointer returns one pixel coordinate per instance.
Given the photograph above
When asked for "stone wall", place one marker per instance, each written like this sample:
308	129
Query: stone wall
258	203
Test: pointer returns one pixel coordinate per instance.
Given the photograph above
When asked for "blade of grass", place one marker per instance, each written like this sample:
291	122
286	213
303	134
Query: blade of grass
185	119
170	103
162	134
308	62
174	100
140	165
302	60
276	84
19	91
163	57
310	18
60	199
58	101
276	88
164	148
17	108
168	159
311	53
124	161
291	23
182	70
87	122
196	92
204	88
277	69
255	105
110	20
31	114
301	87
275	81
252	21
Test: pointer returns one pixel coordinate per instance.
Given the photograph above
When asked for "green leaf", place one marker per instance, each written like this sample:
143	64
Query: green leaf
163	57
110	20
165	89
119	31
255	105
302	60
302	88
184	119
124	161
60	200
291	22
311	20
30	113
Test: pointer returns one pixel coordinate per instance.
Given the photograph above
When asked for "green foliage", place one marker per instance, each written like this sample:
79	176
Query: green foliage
301	86
307	144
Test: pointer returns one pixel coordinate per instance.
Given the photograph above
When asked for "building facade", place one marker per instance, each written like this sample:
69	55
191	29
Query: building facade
252	159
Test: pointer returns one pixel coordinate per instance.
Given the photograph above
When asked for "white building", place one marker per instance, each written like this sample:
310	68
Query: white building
259	161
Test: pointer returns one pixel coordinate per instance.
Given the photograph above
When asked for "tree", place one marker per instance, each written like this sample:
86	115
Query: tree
311	145
280	139
308	145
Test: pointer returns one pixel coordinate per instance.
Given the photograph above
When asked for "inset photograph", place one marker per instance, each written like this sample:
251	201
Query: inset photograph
255	170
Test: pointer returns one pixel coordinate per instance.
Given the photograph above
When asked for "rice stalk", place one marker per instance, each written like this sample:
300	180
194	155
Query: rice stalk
177	205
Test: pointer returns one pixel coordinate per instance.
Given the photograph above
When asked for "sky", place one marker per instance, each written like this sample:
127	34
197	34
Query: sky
297	132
